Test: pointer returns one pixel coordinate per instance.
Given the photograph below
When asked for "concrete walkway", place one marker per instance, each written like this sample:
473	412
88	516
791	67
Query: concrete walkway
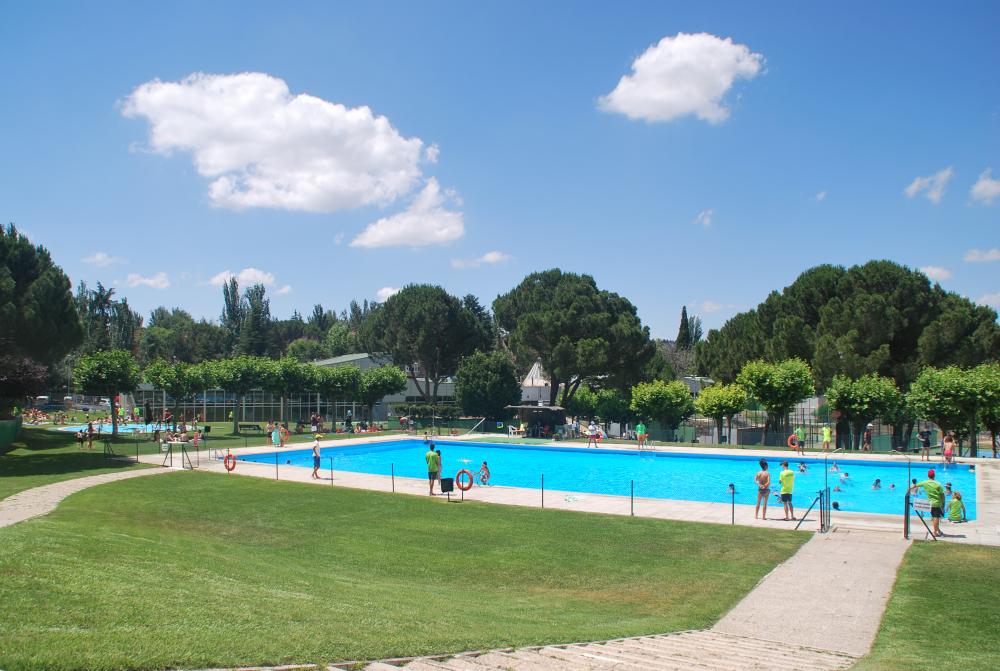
43	500
829	595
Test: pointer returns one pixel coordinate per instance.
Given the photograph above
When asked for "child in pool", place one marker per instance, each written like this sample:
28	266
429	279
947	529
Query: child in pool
802	467
877	484
484	474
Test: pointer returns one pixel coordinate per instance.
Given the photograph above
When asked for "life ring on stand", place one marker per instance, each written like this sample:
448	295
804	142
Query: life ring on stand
793	441
229	462
461	483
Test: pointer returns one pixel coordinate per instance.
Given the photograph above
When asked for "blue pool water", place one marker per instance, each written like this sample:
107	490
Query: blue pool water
122	428
662	475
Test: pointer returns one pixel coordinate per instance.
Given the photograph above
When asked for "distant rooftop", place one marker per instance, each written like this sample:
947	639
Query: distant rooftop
345	358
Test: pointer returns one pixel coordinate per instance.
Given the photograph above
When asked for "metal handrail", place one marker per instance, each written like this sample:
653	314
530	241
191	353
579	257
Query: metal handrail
802	519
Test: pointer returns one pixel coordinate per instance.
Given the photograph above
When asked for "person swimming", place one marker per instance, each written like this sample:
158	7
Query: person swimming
836	505
834	468
877	484
802	467
484	474
892	487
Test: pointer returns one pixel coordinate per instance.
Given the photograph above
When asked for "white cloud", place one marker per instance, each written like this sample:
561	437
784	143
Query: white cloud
933	184
384	293
102	259
424	222
262	146
431	153
681	75
936	273
712	306
285	289
489	258
704	218
157	281
821	196
244	277
992	300
986	189
980	256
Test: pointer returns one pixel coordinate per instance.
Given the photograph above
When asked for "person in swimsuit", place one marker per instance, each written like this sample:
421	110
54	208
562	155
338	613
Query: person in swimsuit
484	474
763	480
949	448
925	445
877	484
802	467
315	446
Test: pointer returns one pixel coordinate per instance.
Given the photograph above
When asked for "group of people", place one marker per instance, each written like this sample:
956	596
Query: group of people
943	501
786	480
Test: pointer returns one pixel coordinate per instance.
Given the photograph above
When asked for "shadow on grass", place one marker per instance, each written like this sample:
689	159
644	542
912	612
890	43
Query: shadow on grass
47	452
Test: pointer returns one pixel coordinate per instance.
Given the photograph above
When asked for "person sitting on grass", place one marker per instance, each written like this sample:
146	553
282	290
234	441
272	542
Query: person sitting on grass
956	509
484	474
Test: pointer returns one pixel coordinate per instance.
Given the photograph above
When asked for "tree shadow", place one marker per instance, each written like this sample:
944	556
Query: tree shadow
47	452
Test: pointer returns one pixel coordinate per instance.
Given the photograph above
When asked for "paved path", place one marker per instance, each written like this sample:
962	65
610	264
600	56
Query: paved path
43	500
829	595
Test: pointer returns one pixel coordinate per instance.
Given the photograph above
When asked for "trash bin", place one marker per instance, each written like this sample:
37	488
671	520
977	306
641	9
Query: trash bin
447	485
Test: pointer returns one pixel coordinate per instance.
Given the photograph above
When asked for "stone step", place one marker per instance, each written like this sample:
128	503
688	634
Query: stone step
725	655
625	658
470	663
425	665
380	666
510	660
575	655
672	655
557	658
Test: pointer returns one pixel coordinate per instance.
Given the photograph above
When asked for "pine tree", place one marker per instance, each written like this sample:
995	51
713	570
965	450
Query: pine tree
684	332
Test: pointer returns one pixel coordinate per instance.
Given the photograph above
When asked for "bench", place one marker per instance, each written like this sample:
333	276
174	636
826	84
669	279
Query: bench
249	427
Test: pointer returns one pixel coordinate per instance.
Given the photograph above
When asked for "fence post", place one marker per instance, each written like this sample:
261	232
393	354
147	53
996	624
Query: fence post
906	515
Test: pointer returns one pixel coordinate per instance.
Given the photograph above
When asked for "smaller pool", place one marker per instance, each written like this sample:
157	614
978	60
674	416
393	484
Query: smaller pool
125	427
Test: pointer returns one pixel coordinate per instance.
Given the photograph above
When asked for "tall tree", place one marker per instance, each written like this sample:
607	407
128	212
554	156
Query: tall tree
577	331
427	330
180	381
239	376
110	372
684	331
255	331
338	383
39	323
232	314
486	384
319	322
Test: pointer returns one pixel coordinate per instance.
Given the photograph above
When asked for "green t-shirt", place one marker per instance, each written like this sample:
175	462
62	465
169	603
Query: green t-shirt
640	429
800	433
433	461
826	434
955	510
935	492
787	478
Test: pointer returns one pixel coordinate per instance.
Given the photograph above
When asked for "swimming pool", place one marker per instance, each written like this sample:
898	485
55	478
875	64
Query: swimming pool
122	428
663	475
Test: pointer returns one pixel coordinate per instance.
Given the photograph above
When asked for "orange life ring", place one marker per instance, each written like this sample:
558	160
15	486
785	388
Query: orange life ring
793	441
459	481
229	462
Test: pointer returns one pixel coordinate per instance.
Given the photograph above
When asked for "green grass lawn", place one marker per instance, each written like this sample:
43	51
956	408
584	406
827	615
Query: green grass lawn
944	612
196	570
41	457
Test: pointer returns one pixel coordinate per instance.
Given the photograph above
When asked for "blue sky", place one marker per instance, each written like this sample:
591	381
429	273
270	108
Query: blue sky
500	140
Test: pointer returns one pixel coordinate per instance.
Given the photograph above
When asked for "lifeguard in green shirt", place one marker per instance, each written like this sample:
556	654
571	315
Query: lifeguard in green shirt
956	509
826	437
935	494
640	434
787	480
433	466
800	439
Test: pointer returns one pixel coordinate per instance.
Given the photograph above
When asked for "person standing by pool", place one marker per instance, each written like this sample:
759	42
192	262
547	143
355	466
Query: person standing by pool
275	435
763	480
315	446
949	447
800	440
925	445
433	466
437	450
787	480
935	494
484	474
591	433
866	438
640	434
826	437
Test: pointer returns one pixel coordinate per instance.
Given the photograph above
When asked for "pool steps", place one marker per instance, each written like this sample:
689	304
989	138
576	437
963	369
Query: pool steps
683	651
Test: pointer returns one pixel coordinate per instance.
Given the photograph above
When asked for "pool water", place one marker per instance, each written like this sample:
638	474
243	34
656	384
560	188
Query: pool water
122	428
664	475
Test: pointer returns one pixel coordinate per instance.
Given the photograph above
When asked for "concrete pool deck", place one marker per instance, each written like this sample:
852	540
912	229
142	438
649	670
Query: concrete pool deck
985	530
